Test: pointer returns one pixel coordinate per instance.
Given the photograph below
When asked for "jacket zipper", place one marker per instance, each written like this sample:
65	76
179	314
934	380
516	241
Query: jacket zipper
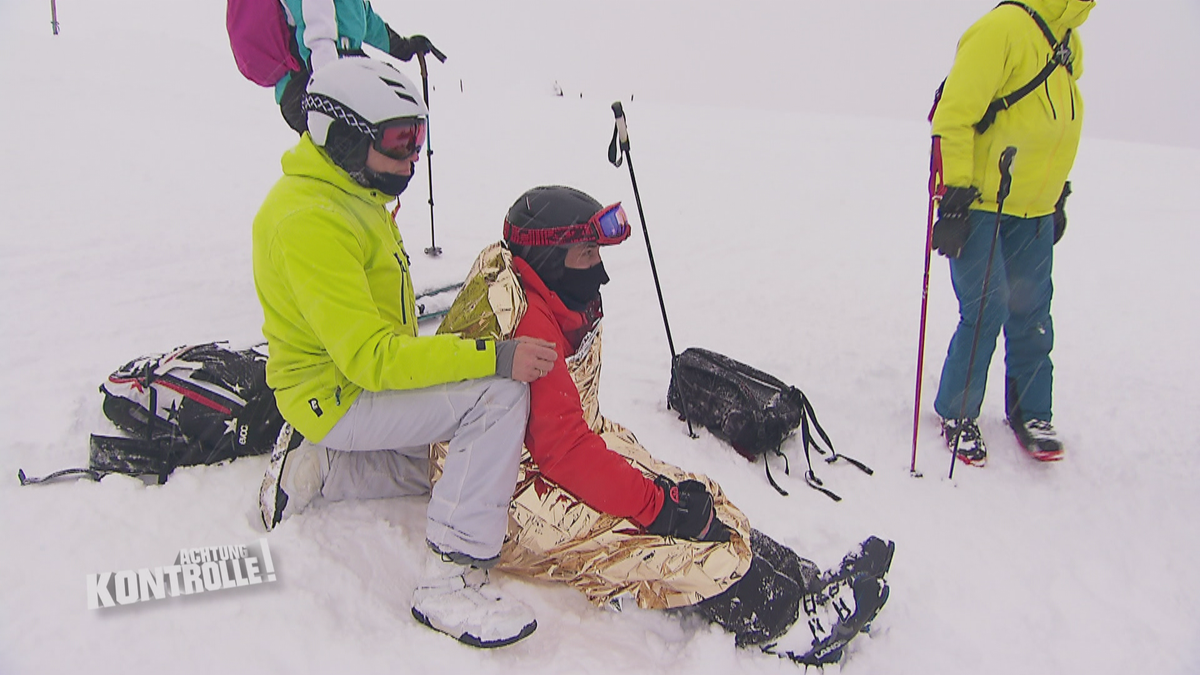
1046	86
403	297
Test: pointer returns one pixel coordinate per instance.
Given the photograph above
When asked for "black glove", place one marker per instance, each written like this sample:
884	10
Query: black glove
405	48
687	512
951	229
1060	214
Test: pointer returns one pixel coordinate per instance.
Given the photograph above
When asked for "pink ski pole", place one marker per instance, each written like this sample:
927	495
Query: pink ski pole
936	189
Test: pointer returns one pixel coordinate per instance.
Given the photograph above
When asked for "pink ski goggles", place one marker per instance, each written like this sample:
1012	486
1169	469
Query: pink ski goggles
401	139
608	227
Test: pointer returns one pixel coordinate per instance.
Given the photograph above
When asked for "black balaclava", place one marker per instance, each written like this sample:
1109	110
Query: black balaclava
388	183
577	288
348	147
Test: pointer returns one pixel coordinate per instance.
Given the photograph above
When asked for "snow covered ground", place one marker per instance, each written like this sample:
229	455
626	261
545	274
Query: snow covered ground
781	151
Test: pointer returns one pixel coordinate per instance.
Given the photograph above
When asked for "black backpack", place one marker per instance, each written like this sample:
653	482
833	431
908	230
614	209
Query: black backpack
198	404
751	410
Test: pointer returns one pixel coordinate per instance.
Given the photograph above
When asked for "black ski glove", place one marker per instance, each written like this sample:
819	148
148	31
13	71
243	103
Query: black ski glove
404	48
1060	214
687	512
951	229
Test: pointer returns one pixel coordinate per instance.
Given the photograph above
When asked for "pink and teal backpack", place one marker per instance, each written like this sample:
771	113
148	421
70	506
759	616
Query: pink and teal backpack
262	41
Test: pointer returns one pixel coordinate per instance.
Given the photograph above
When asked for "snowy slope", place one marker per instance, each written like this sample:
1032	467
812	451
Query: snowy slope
781	153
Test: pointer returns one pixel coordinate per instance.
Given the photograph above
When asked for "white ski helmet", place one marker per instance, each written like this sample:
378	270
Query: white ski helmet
351	103
363	93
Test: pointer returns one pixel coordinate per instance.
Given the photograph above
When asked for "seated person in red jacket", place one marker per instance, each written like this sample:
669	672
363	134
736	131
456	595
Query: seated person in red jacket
592	508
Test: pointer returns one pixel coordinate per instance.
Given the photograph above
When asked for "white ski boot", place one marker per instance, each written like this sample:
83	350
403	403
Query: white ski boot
293	479
456	599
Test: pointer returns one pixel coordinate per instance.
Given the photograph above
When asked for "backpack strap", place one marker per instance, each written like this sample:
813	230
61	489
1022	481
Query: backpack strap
834	455
1036	17
1061	57
152	407
807	414
126	456
787	470
90	473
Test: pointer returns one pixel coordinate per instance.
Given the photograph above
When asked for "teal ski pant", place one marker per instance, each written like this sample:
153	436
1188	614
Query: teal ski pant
1018	300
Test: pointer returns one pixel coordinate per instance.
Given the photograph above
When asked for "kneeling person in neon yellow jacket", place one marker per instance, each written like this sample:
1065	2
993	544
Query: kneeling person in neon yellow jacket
352	377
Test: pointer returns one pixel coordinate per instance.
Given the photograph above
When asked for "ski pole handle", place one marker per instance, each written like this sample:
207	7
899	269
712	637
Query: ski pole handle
622	130
1006	159
424	73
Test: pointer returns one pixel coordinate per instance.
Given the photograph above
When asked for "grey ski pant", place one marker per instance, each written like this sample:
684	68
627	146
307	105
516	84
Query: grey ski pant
380	448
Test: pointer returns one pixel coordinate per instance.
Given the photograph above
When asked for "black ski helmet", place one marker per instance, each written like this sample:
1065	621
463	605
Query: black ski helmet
545	207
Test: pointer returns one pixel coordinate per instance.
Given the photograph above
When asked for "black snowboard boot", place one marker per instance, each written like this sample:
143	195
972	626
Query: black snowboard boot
873	558
830	619
965	433
787	562
758	608
1039	439
1037	436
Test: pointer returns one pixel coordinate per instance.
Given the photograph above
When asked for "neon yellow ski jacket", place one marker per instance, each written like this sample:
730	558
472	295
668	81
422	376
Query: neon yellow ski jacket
999	54
339	312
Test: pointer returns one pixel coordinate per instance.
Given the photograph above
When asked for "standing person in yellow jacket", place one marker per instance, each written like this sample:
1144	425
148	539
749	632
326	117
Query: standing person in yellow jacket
995	78
350	372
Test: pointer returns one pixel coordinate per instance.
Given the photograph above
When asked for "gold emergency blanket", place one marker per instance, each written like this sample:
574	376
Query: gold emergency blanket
554	536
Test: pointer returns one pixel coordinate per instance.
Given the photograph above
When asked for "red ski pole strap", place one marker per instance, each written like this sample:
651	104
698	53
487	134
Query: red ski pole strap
937	176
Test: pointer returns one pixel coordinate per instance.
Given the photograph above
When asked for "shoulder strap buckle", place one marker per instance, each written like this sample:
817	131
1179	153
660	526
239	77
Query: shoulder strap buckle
1062	52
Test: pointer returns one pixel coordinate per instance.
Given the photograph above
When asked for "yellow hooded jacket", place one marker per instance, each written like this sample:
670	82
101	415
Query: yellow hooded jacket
338	308
999	54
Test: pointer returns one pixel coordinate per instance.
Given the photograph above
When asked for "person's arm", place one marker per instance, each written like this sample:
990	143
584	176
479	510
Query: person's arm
974	81
323	262
568	452
319	31
377	33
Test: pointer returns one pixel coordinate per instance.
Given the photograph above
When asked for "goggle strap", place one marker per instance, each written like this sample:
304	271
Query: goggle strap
328	106
554	236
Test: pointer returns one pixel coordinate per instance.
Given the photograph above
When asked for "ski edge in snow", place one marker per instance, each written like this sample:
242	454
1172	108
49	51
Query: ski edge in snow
434	303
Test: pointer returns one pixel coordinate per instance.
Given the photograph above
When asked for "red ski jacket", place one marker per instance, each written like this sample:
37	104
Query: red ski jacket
558	438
